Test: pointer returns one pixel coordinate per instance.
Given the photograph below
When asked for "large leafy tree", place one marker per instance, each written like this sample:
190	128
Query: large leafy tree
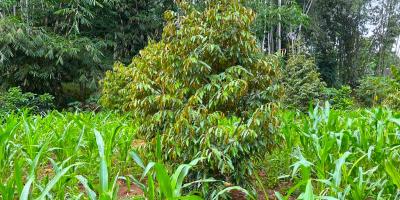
40	61
206	86
352	38
385	20
335	39
63	47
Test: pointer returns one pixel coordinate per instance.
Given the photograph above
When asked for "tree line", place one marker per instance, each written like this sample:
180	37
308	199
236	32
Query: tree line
64	47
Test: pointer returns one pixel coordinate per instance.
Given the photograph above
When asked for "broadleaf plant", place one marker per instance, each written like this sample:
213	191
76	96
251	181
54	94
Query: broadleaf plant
206	86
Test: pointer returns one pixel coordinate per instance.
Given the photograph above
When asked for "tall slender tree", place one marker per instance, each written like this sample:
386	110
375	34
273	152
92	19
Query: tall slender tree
276	23
334	37
386	29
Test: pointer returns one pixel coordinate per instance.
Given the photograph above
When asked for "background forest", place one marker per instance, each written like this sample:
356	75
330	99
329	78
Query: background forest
64	47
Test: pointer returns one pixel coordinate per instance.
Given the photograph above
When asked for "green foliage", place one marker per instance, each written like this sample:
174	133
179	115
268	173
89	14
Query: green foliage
395	73
340	99
339	154
290	15
301	81
130	24
14	99
373	91
344	155
273	169
50	46
335	37
105	190
85	155
160	185
392	100
206	69
52	156
40	61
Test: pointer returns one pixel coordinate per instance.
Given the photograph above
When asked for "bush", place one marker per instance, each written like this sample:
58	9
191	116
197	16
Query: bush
395	73
301	81
392	101
14	99
339	99
374	90
206	86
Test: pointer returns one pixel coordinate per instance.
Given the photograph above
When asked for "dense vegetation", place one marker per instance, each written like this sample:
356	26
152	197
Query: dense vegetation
342	155
56	152
215	99
63	48
301	81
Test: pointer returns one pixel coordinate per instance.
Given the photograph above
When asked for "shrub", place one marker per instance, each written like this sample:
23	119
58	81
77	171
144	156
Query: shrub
373	90
301	81
339	99
392	101
206	86
14	99
395	73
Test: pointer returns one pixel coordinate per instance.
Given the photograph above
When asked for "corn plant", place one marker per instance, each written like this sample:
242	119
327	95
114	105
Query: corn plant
344	155
61	152
105	190
161	185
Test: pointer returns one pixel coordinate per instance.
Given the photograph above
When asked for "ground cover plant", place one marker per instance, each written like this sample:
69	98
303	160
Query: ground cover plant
14	99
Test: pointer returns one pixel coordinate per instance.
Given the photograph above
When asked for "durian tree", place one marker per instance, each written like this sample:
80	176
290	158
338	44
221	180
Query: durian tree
206	87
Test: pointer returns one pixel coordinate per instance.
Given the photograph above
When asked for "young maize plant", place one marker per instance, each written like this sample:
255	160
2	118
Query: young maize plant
344	155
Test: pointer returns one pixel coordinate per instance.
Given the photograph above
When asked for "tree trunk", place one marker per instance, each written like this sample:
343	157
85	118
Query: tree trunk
279	32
